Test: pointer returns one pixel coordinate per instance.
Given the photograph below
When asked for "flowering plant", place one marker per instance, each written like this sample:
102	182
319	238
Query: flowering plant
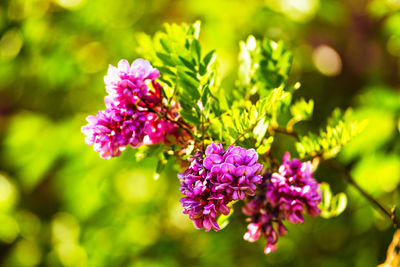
176	102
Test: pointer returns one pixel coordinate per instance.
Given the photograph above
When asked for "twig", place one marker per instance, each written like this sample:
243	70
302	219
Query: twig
286	132
238	138
202	129
365	194
160	115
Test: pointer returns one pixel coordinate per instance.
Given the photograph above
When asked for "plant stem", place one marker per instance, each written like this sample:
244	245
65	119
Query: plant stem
347	177
202	131
286	132
238	138
180	125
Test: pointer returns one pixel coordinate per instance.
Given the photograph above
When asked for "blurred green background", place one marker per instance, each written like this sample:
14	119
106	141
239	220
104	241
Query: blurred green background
61	205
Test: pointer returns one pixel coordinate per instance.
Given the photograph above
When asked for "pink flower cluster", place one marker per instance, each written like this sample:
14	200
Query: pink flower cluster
131	117
285	195
210	184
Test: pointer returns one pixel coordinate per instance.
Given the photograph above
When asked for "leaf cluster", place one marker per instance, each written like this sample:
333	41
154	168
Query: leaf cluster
340	130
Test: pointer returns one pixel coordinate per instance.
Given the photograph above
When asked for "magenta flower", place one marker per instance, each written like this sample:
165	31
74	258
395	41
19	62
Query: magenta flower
159	130
285	195
294	189
134	85
110	131
210	184
133	106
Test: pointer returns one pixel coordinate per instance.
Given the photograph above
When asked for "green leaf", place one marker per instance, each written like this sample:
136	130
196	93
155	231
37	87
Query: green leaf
205	96
301	110
194	29
190	117
263	66
248	61
340	130
209	58
188	64
275	64
339	203
189	84
167	60
232	132
265	145
186	74
165	44
331	206
195	49
168	82
260	130
165	71
160	165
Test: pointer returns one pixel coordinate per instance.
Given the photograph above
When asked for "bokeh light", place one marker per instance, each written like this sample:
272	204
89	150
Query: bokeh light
10	44
8	194
327	60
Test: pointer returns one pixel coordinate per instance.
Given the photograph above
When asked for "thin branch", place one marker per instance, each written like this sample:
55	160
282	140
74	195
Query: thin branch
365	194
181	126
160	115
286	132
238	138
202	128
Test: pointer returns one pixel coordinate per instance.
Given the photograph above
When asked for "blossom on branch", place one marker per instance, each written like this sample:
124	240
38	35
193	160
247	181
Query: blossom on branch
212	182
134	113
285	195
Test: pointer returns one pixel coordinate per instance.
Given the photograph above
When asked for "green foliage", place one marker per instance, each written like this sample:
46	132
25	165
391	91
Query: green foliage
186	73
264	65
340	130
263	72
275	64
251	120
331	205
301	110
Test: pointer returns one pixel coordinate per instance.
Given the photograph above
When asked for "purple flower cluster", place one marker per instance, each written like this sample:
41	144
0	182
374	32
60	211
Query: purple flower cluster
210	184
285	195
134	98
111	131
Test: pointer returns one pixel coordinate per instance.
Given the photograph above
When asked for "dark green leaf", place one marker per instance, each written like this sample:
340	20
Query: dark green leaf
160	166
188	64
195	49
205	96
164	43
190	117
165	70
209	58
189	84
166	59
